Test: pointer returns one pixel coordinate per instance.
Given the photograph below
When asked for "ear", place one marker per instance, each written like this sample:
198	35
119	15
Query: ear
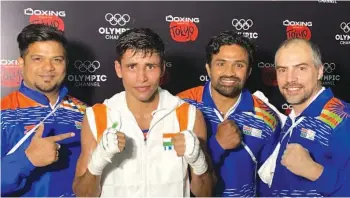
20	62
207	67
118	69
250	71
320	72
163	69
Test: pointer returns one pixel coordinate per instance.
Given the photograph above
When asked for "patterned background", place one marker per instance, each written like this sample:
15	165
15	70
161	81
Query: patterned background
92	28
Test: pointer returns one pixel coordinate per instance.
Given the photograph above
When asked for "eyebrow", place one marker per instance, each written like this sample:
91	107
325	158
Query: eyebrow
280	67
59	57
43	56
236	61
151	64
241	61
130	64
220	60
35	55
297	65
301	64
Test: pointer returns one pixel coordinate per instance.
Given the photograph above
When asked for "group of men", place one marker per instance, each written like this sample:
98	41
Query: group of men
213	140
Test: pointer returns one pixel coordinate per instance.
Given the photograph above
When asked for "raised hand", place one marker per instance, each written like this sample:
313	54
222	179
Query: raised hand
44	151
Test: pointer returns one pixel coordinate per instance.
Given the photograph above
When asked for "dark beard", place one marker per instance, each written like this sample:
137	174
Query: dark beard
47	90
230	92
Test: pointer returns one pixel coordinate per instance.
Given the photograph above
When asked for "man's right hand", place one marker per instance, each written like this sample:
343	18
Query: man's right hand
44	151
111	143
228	135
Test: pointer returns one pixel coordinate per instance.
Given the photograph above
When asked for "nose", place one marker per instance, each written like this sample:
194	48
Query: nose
230	70
291	75
141	75
48	66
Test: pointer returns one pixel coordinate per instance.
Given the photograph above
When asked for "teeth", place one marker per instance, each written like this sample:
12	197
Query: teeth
47	77
228	81
293	89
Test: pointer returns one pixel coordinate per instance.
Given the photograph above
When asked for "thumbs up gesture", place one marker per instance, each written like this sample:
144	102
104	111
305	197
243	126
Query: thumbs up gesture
44	151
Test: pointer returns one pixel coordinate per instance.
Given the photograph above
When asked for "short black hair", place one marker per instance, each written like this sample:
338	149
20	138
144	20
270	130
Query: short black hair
142	40
230	37
39	32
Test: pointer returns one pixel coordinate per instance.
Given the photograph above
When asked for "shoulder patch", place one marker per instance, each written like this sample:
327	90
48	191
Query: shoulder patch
182	115
73	104
100	114
264	112
334	112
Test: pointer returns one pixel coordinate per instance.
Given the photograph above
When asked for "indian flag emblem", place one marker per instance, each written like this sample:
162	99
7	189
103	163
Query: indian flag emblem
77	124
308	134
167	143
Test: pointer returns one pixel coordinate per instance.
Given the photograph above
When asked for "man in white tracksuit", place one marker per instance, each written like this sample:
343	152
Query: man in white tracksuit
142	141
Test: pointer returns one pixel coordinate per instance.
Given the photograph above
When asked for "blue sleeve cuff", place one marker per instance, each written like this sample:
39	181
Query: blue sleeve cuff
216	150
326	183
15	168
20	161
27	167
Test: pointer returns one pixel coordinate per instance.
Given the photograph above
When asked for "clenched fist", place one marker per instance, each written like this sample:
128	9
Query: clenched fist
44	151
187	144
228	135
179	144
298	161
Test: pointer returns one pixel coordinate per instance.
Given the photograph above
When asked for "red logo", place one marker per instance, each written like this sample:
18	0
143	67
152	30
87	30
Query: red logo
303	32
287	108
28	128
269	76
183	31
287	111
54	21
10	74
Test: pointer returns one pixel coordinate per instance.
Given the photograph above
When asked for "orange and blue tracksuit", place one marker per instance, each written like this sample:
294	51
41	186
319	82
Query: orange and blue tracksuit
237	168
325	133
20	112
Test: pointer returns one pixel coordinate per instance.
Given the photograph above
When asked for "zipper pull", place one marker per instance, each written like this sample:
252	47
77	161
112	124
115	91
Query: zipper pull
145	139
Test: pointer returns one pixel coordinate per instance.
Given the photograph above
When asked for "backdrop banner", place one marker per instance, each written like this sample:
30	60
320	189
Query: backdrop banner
186	27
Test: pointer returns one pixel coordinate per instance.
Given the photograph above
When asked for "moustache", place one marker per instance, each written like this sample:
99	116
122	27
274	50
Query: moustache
292	85
230	78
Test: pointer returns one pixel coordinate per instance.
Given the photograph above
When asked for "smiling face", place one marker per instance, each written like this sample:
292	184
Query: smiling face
140	73
229	70
44	66
297	75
